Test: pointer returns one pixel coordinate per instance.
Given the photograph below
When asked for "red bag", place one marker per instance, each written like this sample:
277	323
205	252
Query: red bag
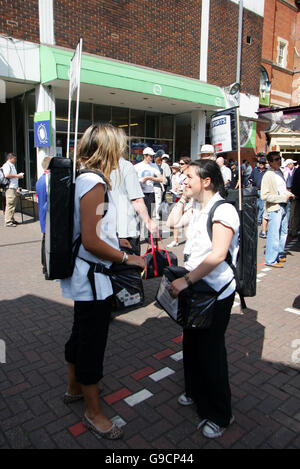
157	259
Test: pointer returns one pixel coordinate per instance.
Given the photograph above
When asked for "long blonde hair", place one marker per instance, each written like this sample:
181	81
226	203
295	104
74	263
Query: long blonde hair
101	147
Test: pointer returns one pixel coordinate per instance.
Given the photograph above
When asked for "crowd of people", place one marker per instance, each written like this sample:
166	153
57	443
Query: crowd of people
134	193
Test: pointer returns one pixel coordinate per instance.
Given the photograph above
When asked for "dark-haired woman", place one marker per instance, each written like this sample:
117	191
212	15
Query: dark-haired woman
100	148
204	352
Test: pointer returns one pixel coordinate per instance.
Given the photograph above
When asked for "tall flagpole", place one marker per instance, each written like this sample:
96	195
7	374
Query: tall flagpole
77	112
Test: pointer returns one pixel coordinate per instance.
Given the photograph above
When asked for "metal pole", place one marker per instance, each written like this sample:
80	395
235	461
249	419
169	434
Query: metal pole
240	37
239	157
77	116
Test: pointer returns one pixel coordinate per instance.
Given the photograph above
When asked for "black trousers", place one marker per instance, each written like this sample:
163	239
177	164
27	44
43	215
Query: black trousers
86	347
206	369
149	200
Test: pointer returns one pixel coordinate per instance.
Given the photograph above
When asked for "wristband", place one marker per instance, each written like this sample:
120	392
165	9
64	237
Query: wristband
188	280
125	258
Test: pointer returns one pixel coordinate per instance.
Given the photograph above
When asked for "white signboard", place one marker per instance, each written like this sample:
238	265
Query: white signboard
221	134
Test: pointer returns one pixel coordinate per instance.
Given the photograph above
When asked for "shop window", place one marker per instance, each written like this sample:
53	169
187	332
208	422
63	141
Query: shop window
152	124
137	123
166	126
102	113
120	118
85	116
61	109
31	110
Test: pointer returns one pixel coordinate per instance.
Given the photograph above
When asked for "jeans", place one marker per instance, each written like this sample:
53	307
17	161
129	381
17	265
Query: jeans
260	207
277	234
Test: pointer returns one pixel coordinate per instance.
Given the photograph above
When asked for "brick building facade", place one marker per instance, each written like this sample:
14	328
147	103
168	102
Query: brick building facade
281	64
167	38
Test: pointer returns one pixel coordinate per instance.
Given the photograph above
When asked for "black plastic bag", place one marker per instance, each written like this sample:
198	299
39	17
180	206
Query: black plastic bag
127	286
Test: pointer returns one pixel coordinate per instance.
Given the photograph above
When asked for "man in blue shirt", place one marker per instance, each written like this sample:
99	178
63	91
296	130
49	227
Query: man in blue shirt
41	192
255	179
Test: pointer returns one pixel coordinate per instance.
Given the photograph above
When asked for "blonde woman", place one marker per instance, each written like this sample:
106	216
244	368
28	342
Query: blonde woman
99	150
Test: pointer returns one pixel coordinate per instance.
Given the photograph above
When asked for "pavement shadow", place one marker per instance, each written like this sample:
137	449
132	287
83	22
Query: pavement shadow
33	381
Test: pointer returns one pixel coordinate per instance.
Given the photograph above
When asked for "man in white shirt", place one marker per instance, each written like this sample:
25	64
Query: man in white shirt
128	197
10	173
167	175
226	172
147	175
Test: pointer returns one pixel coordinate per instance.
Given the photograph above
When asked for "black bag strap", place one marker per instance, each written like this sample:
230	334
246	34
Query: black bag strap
95	268
228	259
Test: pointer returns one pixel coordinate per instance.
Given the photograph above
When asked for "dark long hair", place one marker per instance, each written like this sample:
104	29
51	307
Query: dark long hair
210	169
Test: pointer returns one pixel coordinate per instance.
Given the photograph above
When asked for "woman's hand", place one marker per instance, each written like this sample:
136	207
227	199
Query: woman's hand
136	260
177	286
124	243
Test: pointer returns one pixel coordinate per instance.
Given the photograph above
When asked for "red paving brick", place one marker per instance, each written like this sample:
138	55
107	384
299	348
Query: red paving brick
35	322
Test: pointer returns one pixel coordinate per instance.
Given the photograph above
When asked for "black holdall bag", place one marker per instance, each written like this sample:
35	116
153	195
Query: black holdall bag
245	271
194	306
157	259
127	285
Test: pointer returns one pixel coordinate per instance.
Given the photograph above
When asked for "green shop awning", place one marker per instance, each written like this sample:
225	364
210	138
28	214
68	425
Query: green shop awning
112	74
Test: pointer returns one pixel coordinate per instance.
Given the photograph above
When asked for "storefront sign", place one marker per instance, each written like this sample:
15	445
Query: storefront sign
42	129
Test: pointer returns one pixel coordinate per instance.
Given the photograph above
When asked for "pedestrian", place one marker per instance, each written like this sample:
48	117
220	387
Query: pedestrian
276	195
234	183
207	152
204	353
176	194
128	197
41	192
295	209
147	175
225	171
255	179
100	148
158	187
167	174
246	173
10	172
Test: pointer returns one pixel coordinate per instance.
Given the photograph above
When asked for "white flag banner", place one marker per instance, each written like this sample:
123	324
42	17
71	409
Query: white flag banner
221	133
74	71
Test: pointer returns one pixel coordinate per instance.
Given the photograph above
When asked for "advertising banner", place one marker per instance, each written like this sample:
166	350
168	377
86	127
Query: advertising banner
223	129
221	133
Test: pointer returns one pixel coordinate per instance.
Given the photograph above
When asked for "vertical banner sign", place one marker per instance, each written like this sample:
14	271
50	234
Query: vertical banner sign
74	84
223	129
42	129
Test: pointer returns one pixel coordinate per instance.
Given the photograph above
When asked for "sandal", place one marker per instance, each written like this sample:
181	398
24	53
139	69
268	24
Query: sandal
70	398
114	433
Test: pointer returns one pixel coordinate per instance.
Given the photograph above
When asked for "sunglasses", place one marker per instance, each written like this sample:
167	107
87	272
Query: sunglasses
182	164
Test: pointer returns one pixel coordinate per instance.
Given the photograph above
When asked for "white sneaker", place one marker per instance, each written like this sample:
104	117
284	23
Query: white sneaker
184	400
173	244
212	430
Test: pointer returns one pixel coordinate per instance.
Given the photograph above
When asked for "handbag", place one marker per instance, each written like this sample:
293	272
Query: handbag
157	259
194	308
126	281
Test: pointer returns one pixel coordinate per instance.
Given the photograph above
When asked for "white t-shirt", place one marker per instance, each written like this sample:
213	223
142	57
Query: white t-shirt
126	187
166	172
78	286
199	245
226	173
9	168
144	169
281	184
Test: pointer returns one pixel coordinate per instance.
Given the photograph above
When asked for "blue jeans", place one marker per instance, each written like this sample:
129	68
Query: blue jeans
260	207
277	234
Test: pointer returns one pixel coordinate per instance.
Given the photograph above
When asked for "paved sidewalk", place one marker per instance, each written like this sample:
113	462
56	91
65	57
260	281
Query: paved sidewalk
143	364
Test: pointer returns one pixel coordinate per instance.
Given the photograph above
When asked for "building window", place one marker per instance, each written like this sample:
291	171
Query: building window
282	49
